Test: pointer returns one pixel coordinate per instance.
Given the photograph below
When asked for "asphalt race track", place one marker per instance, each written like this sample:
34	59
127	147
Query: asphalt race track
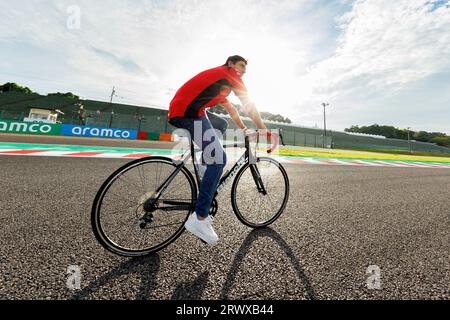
341	224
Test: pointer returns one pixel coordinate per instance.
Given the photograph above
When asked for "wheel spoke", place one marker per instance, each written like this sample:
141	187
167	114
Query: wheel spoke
122	198
123	180
118	209
245	197
141	176
174	186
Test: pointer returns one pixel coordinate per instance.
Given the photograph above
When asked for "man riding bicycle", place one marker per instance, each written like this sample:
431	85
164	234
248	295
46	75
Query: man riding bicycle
188	111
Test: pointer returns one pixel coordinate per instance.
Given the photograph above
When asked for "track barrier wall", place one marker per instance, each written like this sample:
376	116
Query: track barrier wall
152	124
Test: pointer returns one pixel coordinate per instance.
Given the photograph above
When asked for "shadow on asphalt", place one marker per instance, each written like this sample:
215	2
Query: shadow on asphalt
243	250
192	290
148	268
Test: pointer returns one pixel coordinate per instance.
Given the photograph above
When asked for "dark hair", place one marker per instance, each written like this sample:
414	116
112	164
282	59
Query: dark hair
235	59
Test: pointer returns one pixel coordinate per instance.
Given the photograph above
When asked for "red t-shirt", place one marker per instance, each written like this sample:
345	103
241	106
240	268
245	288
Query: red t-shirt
206	90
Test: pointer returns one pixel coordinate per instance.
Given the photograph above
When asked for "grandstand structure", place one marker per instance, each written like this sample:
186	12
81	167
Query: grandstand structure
17	106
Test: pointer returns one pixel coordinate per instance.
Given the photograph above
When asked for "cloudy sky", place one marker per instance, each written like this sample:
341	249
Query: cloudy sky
373	61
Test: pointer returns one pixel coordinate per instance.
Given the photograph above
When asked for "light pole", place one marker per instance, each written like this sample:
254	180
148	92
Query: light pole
139	118
113	93
409	141
111	118
325	105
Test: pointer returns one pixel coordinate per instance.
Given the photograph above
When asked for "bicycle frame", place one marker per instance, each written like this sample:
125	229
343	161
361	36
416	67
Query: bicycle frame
246	158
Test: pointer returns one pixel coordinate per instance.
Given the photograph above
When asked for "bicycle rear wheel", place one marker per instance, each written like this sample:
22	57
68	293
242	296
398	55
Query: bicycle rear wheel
118	210
260	193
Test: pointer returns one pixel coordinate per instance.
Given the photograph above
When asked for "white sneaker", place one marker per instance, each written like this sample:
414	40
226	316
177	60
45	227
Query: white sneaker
202	229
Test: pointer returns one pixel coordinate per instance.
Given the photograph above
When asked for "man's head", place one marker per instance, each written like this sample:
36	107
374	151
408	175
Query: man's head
238	63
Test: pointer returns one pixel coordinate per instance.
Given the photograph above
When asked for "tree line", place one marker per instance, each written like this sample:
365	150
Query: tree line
14	87
264	115
395	133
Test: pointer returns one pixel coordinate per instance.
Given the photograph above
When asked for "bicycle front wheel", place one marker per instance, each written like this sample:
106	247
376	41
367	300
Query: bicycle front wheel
125	225
260	193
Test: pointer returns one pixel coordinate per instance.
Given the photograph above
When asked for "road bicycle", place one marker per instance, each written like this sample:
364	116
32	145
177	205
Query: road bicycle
143	206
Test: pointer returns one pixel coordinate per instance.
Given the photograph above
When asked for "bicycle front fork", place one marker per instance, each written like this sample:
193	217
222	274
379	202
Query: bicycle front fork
257	178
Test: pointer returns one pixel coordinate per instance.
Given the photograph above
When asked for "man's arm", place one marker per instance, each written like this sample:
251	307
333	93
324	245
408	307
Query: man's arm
250	109
255	116
234	115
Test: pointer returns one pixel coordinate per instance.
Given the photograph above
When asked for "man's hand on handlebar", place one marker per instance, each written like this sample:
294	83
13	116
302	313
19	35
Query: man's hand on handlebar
272	138
249	132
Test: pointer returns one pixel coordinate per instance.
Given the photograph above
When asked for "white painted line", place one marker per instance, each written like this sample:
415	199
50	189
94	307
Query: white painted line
49	154
312	161
342	162
443	165
392	164
111	155
368	163
231	157
416	164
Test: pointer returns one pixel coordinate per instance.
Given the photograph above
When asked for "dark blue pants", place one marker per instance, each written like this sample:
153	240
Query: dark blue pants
204	134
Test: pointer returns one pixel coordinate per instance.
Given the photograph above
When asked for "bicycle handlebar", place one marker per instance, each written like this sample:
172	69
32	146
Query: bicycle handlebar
269	134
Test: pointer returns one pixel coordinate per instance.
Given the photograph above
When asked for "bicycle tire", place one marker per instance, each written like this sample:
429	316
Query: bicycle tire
97	227
234	193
